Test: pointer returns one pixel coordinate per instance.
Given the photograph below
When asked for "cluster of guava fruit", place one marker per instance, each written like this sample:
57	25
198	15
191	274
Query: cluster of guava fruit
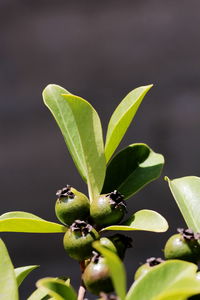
84	221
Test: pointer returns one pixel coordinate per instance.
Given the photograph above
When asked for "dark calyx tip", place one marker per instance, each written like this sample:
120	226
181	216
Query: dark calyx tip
153	261
189	234
81	226
65	192
116	199
115	196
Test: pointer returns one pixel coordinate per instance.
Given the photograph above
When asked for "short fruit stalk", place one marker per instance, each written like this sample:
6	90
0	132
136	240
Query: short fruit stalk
183	245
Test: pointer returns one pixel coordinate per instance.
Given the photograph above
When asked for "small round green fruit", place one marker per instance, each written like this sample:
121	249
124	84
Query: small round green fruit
96	276
71	205
183	245
108	209
145	268
78	240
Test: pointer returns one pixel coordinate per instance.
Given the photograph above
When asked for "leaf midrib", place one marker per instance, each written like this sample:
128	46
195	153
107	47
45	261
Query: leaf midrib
87	165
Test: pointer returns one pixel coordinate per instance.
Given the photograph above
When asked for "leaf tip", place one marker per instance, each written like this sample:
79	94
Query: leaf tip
147	87
166	178
46	91
49	90
49	86
35	266
165	227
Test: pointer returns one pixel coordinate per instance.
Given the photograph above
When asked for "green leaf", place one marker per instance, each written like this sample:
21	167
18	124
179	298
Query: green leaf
186	192
8	283
122	117
19	221
146	220
131	169
116	268
22	272
18	214
39	294
57	289
171	280
81	128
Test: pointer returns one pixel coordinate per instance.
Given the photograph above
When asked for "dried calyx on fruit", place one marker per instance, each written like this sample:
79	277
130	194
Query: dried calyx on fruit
96	275
143	269
108	209
78	240
183	245
65	192
189	234
71	205
153	261
116	199
81	226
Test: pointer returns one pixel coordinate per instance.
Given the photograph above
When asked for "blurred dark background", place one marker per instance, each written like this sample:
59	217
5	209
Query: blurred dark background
100	51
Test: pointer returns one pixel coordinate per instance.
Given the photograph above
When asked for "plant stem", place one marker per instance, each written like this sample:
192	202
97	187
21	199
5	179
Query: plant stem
82	290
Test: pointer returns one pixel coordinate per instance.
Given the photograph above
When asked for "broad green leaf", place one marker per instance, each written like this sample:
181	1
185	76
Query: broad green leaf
131	169
81	128
57	289
186	192
22	272
122	117
20	221
146	220
171	280
117	270
8	283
